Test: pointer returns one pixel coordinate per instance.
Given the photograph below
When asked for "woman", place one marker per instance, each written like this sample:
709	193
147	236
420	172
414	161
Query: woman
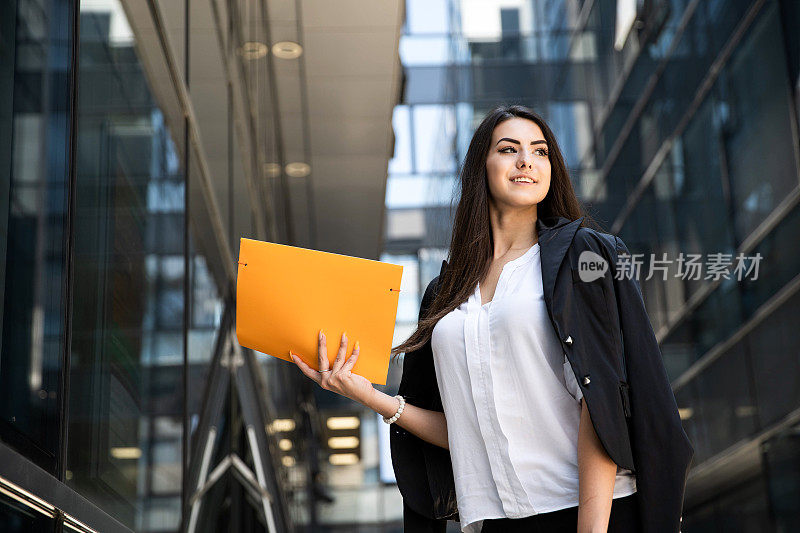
494	404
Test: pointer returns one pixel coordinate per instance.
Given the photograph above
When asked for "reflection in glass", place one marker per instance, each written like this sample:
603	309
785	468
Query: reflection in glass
779	265
401	125
434	138
774	346
731	303
715	319
781	455
757	121
126	423
744	509
427	16
687	399
35	63
17	518
727	406
701	210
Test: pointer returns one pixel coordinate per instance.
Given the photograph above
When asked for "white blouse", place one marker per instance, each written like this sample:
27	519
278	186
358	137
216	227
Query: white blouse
512	402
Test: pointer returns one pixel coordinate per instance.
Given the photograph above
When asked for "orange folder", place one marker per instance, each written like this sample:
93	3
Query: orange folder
286	294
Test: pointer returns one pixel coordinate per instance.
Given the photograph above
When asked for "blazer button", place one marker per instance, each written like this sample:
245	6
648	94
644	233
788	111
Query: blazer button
568	340
586	379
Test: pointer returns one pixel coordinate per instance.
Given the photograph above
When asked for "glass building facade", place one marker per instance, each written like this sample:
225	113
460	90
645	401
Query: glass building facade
126	403
116	303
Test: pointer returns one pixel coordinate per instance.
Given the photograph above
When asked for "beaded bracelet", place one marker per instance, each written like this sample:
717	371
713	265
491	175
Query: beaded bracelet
399	410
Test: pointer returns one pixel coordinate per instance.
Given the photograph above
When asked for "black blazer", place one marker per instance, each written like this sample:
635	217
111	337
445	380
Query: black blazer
610	344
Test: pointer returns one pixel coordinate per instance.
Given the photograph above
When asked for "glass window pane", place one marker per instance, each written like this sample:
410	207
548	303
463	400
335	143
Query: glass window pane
427	16
727	407
18	518
405	224
401	124
408	302
126	416
36	46
434	138
774	346
687	399
415	51
405	191
779	263
716	318
746	510
757	120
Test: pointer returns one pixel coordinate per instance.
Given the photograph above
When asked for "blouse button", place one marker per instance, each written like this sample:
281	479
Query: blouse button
586	379
568	340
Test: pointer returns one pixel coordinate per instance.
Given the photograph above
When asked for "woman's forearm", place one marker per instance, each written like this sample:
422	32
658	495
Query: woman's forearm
596	476
430	426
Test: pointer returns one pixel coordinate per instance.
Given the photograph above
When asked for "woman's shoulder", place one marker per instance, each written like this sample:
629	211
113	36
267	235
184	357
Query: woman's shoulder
597	241
431	289
607	245
428	295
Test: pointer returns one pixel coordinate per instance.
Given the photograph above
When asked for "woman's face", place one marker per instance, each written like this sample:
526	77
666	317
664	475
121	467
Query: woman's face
518	149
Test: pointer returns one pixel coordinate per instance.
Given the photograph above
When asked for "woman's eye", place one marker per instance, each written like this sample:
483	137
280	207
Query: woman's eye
540	151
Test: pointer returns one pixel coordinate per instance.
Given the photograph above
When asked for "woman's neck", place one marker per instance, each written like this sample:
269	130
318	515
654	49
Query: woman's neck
512	230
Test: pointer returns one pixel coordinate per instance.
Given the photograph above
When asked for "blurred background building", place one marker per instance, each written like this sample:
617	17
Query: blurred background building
141	139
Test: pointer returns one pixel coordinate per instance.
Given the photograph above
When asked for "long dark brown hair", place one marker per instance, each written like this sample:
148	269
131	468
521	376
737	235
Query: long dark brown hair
472	243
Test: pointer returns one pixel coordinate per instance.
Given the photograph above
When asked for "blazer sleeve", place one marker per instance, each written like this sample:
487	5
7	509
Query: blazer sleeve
661	449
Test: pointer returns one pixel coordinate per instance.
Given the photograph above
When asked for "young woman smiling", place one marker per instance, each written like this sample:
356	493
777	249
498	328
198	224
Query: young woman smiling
492	423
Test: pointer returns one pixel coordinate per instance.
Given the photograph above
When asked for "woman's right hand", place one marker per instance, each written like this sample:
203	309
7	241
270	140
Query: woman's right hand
339	378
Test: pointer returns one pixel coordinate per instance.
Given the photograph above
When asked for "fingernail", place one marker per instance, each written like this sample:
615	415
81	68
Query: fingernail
291	354
344	335
321	334
356	347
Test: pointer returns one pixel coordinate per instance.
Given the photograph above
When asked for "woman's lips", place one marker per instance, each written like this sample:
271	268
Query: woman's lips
532	179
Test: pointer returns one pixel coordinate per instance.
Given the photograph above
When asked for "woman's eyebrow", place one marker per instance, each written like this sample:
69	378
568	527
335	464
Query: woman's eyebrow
540	141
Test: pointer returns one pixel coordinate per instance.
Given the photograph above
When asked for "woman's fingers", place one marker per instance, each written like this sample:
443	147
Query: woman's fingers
304	368
337	378
351	361
323	351
340	355
340	378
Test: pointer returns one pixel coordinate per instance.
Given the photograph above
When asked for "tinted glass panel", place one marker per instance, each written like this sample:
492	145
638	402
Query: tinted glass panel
35	62
755	115
782	468
126	422
687	399
744	509
774	346
733	302
727	408
18	518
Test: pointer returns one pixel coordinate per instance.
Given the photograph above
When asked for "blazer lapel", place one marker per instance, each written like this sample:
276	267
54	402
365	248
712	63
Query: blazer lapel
555	237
